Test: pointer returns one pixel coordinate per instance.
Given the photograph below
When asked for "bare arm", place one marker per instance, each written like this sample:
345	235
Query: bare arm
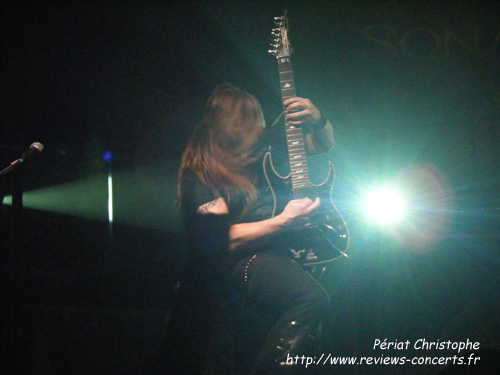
217	206
320	140
246	233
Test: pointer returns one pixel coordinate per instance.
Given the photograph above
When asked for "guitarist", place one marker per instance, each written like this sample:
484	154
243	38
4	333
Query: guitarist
220	185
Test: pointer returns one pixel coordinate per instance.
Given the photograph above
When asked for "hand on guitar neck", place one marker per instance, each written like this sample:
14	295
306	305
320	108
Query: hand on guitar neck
301	111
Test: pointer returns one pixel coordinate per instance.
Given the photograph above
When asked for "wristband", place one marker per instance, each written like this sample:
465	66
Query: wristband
321	123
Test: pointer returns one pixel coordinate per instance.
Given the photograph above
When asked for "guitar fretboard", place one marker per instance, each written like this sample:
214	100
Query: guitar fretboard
294	136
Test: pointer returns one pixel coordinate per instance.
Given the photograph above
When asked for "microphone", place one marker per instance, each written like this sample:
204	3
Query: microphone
35	149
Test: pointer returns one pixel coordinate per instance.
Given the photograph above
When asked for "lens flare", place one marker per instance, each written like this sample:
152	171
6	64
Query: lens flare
384	206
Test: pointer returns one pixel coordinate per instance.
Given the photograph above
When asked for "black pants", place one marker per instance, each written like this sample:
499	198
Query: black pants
276	304
282	285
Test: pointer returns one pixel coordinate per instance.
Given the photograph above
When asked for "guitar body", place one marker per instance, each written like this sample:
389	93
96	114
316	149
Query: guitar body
324	238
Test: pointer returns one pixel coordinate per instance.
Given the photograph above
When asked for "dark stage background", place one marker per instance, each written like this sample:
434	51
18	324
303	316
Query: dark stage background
412	88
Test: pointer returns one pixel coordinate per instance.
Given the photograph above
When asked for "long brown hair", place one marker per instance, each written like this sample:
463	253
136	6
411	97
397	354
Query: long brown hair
222	143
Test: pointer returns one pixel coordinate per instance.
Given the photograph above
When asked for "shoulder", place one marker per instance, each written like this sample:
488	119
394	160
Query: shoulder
217	206
194	193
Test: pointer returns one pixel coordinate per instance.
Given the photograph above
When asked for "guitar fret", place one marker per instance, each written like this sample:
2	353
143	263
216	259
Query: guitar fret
295	138
301	186
286	89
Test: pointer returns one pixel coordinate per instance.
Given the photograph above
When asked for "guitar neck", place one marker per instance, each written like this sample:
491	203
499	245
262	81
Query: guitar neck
294	137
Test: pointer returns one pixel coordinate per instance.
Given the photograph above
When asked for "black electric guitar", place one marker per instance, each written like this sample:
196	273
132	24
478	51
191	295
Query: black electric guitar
324	238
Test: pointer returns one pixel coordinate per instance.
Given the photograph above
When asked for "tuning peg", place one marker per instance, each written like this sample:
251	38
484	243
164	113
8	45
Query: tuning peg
273	51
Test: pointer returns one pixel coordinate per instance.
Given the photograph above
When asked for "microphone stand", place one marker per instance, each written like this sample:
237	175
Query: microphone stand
12	244
35	148
10	353
11	167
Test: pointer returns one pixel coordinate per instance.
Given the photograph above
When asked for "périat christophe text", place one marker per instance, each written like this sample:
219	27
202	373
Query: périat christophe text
383	347
423	344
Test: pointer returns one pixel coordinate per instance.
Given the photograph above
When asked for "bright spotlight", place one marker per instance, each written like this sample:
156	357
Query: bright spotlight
384	206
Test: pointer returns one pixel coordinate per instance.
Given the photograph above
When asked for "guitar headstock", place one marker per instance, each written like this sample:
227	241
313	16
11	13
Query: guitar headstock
280	43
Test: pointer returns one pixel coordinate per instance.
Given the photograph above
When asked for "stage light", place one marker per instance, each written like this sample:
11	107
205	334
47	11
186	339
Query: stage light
142	197
107	156
384	206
